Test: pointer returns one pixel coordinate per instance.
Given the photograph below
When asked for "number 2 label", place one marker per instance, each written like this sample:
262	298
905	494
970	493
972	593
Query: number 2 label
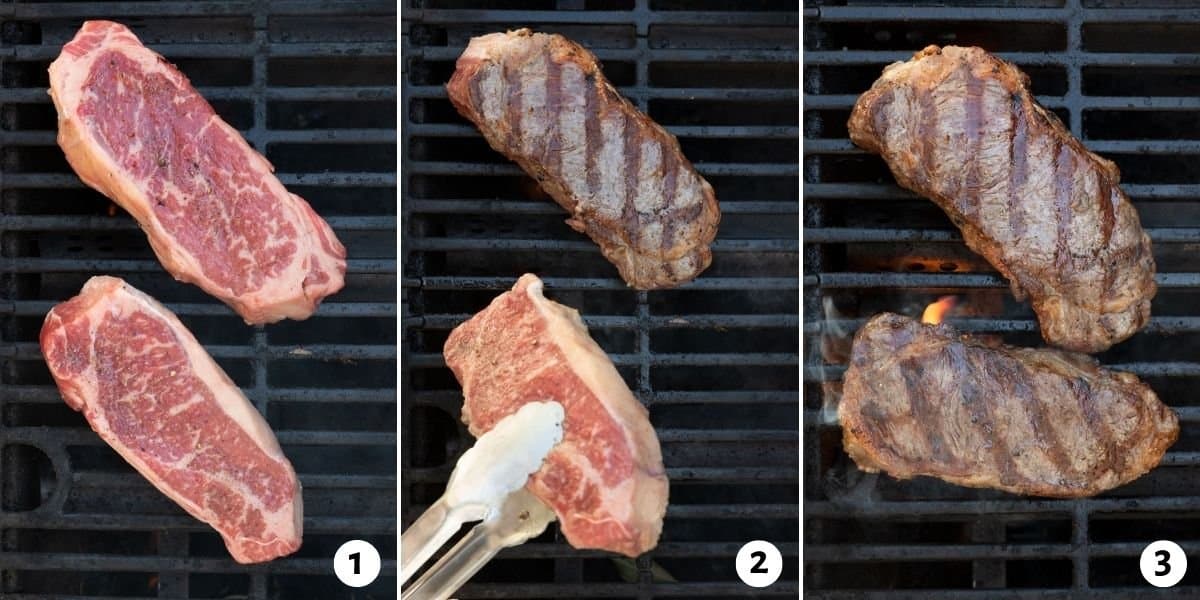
760	558
759	563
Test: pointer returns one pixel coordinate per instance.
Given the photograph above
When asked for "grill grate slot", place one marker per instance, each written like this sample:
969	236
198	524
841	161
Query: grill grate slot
310	84
724	81
1115	76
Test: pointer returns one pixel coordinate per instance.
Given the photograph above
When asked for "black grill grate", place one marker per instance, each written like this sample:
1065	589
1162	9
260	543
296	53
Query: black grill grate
313	84
715	360
1114	71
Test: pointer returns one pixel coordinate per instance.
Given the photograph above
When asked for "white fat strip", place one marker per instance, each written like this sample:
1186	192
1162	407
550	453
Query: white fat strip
182	406
620	508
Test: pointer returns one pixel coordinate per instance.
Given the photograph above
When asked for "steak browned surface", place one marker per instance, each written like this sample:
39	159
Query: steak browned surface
959	126
926	400
542	101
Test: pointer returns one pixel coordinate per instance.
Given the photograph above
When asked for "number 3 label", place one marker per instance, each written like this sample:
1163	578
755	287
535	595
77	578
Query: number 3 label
759	563
1163	563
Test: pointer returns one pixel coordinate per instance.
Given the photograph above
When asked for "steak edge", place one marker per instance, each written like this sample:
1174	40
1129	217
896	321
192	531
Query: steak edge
959	126
926	400
148	388
133	128
542	101
605	480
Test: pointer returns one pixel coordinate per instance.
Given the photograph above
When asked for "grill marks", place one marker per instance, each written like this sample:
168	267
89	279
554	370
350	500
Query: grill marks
1064	181
1108	206
1044	430
553	155
924	411
982	410
633	164
1102	433
670	189
928	127
971	194
621	175
926	400
514	113
1017	167
1042	209
592	136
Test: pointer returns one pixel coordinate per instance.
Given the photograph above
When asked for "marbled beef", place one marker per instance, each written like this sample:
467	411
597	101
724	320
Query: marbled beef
605	480
133	128
148	388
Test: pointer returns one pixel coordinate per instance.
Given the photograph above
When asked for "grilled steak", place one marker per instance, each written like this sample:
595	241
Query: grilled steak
959	125
605	480
542	101
153	394
926	400
134	129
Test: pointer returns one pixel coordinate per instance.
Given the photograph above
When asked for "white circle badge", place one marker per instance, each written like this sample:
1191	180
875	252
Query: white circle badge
1163	563
356	563
759	563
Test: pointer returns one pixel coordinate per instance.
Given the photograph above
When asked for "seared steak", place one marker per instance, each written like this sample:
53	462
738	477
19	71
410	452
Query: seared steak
542	101
959	125
926	400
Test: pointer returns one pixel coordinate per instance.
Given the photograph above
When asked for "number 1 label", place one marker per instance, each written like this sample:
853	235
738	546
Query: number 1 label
356	563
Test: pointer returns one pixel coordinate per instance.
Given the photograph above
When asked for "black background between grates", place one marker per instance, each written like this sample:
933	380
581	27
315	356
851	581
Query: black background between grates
1124	76
715	360
312	83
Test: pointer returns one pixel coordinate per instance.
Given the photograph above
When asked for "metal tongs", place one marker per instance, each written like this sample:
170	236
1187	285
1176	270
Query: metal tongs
488	484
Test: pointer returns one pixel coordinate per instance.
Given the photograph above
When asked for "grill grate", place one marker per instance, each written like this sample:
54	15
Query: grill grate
715	360
871	246
313	84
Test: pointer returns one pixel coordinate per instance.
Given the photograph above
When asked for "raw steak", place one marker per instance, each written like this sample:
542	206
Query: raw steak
542	101
133	128
150	391
605	480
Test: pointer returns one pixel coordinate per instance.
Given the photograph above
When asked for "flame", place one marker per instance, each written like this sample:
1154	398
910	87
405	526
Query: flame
934	313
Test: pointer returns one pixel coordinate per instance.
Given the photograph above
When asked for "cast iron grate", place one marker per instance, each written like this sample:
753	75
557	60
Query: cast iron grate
313	84
715	360
1115	73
